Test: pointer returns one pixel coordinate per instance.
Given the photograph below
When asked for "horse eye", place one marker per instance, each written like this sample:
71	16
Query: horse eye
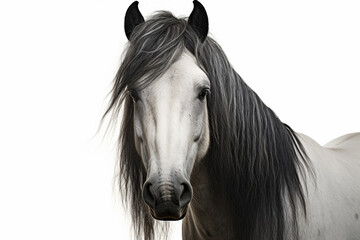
133	94
203	94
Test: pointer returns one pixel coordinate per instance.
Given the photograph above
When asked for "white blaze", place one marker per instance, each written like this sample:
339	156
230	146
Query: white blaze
173	116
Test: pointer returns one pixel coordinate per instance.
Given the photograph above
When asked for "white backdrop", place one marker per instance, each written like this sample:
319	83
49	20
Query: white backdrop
58	58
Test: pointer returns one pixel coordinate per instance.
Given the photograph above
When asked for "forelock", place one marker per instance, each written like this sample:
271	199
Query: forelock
154	46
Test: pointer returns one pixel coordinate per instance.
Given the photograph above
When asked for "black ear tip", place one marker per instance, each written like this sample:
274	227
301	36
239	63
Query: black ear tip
133	7
198	4
134	4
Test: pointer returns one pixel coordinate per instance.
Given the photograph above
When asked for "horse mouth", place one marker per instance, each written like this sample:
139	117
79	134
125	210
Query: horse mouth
168	212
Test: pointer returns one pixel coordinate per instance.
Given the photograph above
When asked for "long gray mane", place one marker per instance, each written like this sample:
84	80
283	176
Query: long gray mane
262	158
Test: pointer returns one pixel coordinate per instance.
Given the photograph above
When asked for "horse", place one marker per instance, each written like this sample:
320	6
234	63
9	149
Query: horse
197	143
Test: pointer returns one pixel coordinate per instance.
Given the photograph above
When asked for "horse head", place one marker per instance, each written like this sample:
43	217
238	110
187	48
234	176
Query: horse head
170	119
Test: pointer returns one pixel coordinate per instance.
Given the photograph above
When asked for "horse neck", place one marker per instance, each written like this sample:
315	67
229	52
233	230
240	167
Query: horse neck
206	218
260	159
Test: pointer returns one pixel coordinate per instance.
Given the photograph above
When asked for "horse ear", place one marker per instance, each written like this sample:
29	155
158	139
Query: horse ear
198	20
133	18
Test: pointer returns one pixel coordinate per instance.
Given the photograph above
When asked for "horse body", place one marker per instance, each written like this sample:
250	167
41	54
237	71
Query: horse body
333	195
198	144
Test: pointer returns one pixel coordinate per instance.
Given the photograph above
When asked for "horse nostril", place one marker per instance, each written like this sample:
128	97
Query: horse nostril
186	194
148	194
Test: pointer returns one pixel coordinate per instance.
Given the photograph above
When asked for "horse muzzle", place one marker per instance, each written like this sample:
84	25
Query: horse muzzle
168	200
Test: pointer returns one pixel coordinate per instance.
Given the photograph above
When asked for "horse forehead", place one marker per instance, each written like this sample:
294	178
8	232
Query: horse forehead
182	76
186	67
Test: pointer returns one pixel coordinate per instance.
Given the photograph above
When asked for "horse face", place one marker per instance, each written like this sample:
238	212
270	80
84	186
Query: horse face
171	135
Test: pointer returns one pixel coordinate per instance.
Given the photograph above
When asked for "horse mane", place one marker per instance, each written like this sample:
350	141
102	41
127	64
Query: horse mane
262	158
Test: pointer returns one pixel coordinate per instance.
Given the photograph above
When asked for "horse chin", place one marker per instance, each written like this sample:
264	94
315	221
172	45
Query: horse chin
168	214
